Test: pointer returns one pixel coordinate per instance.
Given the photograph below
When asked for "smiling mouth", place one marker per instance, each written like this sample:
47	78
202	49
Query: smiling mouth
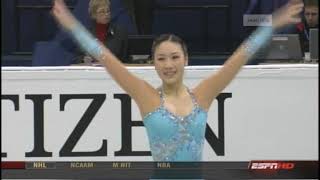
169	74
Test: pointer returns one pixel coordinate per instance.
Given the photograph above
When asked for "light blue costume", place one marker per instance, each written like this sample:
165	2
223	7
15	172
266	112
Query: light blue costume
176	138
172	137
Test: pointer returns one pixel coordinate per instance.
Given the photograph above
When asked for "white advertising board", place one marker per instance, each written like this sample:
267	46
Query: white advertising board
268	112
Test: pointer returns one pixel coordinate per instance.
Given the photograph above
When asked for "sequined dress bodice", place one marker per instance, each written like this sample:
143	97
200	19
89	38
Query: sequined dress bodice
173	137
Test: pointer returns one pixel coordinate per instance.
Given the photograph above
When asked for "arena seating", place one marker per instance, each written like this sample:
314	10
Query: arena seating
208	26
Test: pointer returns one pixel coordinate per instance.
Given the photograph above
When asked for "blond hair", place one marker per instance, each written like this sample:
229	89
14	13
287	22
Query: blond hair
95	4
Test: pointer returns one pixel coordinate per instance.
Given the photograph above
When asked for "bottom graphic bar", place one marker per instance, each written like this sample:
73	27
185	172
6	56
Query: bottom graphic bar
161	170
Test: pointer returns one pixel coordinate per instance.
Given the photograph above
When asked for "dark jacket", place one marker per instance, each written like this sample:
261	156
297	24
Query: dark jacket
116	41
303	30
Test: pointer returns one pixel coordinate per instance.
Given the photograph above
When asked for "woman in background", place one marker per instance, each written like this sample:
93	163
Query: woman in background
114	37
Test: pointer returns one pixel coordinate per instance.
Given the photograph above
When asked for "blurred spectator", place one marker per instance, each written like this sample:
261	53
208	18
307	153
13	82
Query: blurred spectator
311	13
310	19
114	37
141	12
